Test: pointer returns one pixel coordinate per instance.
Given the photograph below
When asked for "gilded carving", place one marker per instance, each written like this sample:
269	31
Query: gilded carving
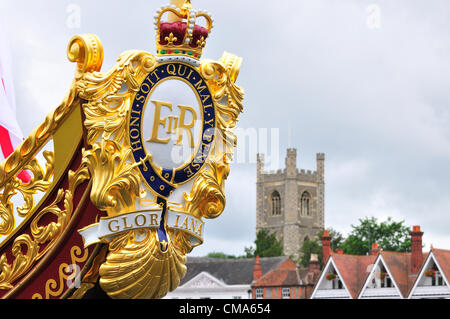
55	287
150	262
86	51
136	268
40	182
160	205
22	263
116	184
109	95
41	235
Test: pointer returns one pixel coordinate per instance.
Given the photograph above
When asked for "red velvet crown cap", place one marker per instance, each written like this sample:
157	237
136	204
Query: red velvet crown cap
178	29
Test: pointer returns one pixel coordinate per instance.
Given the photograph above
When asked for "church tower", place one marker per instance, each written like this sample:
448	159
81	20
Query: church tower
291	202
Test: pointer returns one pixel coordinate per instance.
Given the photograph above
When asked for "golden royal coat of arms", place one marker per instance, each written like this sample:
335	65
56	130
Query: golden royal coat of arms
141	156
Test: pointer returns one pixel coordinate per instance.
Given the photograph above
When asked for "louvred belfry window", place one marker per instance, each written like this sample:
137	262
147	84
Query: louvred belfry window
276	203
306	204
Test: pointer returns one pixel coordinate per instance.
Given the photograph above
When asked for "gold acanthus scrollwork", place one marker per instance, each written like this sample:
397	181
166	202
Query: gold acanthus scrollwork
116	183
28	149
207	198
44	234
40	182
22	263
54	288
109	95
86	50
40	235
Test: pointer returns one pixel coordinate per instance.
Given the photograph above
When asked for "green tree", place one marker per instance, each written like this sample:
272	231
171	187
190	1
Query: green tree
336	238
220	255
309	247
391	235
249	252
314	246
267	245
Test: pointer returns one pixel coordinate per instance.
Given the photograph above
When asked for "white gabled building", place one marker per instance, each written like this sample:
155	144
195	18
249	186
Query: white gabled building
206	286
433	280
384	274
380	283
332	287
212	278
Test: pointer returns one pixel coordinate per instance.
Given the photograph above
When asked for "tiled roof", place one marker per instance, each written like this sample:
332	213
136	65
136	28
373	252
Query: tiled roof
308	277
443	259
398	266
400	269
285	275
353	270
230	271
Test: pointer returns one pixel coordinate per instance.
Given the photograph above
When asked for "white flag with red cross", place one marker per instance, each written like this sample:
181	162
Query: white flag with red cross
10	133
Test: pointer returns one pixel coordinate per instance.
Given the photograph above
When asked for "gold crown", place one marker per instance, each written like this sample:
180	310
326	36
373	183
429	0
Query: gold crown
182	36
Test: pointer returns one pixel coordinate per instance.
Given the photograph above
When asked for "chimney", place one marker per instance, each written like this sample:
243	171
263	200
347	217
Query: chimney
416	249
326	246
375	249
257	271
314	267
339	251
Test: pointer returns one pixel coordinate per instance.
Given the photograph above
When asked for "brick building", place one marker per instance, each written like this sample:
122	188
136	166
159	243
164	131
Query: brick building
285	281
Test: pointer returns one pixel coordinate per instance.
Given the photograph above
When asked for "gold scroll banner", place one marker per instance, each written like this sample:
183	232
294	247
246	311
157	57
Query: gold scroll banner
109	227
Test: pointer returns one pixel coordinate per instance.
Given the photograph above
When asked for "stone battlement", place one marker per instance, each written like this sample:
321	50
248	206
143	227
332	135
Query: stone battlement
308	175
274	172
307	172
302	175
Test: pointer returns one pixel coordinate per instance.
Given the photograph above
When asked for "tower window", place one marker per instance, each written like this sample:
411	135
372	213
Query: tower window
276	203
306	204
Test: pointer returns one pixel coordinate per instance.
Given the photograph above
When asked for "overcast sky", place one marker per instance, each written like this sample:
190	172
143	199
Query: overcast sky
365	82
